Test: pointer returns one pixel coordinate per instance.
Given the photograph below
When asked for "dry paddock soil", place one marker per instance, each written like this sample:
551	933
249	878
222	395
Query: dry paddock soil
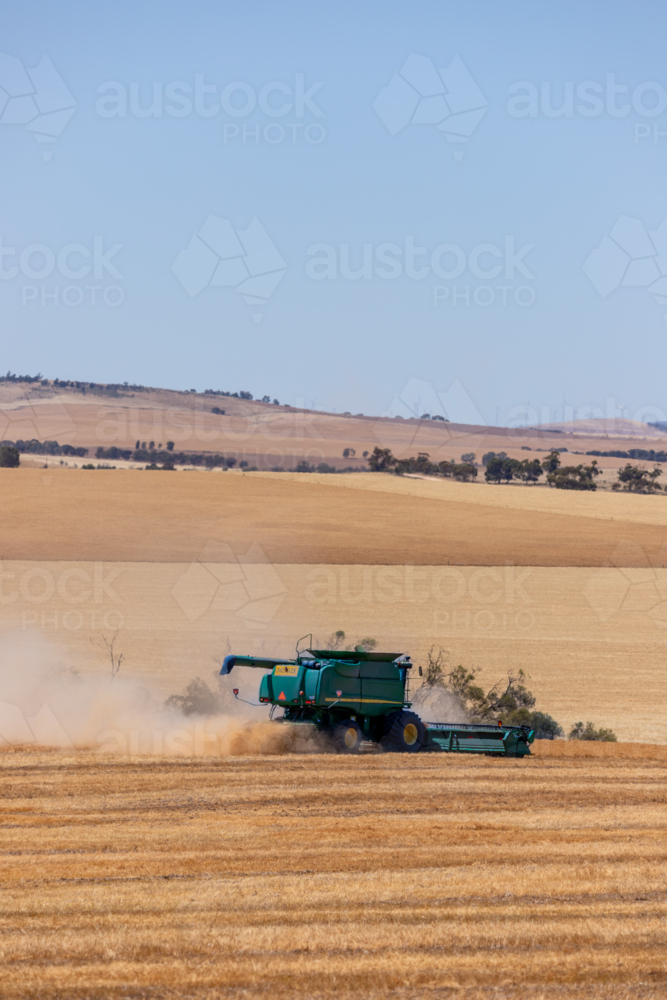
571	588
314	876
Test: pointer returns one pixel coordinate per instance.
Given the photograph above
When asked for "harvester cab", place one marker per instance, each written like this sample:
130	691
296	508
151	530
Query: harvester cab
360	699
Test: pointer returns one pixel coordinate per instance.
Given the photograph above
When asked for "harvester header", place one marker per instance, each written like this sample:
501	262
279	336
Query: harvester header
361	699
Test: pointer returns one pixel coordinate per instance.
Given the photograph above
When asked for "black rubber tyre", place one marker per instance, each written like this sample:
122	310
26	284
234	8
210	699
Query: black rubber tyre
347	737
403	733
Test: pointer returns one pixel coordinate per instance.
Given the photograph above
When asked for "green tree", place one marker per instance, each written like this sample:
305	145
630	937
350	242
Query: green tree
464	472
580	731
336	640
10	457
530	471
575	477
435	668
635	479
422	463
381	460
546	728
486	458
509	702
499	469
197	699
551	462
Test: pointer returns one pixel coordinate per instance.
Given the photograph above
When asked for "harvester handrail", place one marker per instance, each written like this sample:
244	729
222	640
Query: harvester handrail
357	655
477	726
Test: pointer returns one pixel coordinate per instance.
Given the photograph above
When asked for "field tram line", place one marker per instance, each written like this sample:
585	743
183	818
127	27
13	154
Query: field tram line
459	902
172	876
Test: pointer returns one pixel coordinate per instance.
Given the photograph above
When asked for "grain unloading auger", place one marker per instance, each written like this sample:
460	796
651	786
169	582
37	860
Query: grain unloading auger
362	698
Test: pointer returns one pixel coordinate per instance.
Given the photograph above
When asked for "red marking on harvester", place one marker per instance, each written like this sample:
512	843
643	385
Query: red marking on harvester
281	696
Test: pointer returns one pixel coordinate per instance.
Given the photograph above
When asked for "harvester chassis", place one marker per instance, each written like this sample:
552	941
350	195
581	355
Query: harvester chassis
360	700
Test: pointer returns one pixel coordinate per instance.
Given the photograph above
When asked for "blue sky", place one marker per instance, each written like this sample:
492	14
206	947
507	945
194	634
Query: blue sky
510	304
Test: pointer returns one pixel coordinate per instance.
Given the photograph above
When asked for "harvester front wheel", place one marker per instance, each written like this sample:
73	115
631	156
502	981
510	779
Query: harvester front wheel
347	737
403	733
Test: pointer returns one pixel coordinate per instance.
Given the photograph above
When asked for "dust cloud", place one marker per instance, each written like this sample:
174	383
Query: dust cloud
44	703
436	704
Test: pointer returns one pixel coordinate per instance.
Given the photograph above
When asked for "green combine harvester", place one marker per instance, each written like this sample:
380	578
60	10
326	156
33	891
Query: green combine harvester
361	700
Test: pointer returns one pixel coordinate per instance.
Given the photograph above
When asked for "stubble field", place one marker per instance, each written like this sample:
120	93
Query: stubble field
321	876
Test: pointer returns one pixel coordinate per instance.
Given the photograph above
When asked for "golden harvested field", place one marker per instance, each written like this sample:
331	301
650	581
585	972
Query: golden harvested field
367	519
570	588
289	876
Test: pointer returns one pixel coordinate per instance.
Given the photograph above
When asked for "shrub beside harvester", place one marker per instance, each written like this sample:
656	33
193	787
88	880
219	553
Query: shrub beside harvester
361	699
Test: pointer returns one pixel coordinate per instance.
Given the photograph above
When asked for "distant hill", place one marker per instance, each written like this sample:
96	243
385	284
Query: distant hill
615	427
264	434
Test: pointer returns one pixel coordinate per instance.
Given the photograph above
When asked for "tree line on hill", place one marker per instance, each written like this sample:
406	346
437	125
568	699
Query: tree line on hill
109	388
382	460
141	453
144	452
35	447
500	468
10	377
115	387
237	395
641	454
168	457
